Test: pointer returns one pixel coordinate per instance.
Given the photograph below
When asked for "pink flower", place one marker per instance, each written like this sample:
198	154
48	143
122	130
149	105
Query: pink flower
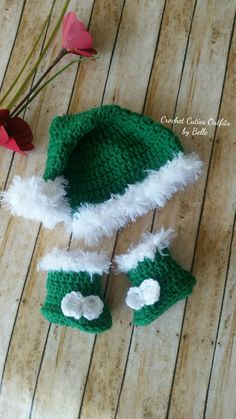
15	133
75	37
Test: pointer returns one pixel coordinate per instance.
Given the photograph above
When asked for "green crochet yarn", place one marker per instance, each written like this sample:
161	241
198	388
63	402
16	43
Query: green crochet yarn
103	150
157	280
175	282
105	168
61	283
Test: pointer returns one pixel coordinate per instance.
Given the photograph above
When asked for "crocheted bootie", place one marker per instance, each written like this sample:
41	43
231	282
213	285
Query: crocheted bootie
74	295
157	280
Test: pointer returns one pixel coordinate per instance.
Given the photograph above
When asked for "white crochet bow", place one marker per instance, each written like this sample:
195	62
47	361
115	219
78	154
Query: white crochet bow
77	306
147	293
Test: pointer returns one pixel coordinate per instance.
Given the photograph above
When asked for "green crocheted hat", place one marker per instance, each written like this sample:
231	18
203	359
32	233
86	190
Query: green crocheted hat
157	280
105	167
74	296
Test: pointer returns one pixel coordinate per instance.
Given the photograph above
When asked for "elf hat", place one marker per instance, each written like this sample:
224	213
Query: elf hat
105	167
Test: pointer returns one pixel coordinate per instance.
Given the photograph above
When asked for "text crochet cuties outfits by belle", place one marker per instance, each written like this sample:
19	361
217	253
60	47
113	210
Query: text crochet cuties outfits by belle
105	167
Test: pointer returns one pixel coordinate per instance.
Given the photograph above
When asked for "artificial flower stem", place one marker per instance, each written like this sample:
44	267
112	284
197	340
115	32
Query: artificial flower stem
25	99
29	56
35	67
51	79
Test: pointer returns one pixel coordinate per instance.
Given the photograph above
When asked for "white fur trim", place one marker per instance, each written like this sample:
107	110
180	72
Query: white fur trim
75	261
147	293
91	222
77	306
145	249
36	199
45	201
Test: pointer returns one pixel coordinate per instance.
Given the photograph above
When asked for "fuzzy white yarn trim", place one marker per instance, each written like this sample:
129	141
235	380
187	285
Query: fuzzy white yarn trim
91	222
147	293
145	249
75	261
45	201
76	306
37	199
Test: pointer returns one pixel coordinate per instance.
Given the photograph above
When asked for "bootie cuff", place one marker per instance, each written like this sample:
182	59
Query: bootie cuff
74	296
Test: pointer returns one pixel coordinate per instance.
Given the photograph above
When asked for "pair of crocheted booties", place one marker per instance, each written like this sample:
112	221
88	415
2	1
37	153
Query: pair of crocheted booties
106	167
74	296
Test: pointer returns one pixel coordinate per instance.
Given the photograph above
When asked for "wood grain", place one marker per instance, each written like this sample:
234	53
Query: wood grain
10	16
127	90
221	391
182	213
10	290
210	265
31	334
31	22
76	364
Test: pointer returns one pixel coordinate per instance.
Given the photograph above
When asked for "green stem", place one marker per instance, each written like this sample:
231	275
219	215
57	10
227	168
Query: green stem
29	56
49	80
25	99
35	67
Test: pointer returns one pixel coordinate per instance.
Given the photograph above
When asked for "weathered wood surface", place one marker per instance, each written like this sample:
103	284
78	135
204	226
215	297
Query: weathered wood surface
161	58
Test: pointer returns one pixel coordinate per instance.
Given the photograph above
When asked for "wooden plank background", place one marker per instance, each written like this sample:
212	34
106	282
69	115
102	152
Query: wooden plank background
161	58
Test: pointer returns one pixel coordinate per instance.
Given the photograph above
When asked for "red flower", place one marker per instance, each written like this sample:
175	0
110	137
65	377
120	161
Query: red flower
75	37
15	133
